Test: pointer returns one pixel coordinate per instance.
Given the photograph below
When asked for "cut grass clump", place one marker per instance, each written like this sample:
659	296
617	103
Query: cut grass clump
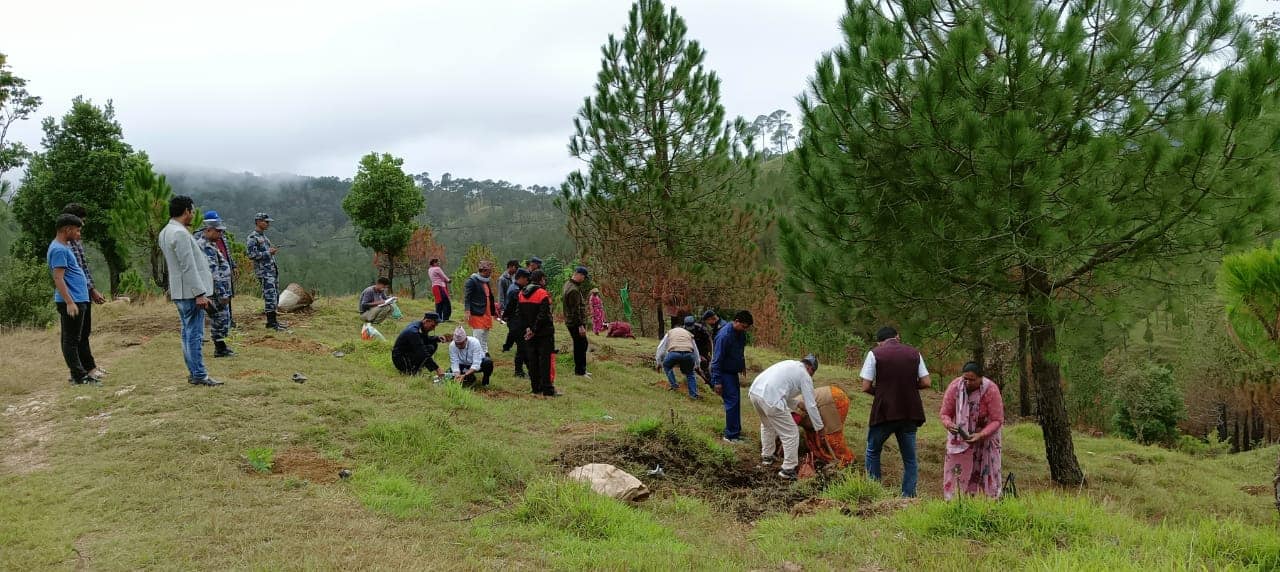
391	494
646	427
260	459
1040	522
855	488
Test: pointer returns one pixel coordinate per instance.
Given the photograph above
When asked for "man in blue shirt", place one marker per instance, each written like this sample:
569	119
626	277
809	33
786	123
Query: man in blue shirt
71	296
727	365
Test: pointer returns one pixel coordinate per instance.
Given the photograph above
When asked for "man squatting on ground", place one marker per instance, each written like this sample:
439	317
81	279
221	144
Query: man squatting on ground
415	347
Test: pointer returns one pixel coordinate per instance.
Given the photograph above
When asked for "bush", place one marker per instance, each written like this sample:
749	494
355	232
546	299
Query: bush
1200	447
136	287
1148	404
260	458
26	291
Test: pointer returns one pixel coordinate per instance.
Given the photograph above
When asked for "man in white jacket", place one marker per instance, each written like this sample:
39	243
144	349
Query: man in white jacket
772	393
467	358
190	285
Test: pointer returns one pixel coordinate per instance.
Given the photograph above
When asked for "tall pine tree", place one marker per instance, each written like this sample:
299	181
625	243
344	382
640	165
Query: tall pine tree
663	166
1004	158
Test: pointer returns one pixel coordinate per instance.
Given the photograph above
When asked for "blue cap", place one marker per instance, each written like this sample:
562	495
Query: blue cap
535	260
211	215
690	320
582	270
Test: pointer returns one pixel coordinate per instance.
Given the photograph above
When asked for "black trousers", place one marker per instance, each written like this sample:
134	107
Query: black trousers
538	357
75	339
579	350
486	370
515	337
413	365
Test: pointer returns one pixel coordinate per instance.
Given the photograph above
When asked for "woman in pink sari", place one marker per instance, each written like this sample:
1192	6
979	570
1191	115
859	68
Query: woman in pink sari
597	312
973	413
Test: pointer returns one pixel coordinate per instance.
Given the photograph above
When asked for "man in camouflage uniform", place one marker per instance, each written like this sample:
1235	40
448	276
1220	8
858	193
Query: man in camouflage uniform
219	312
224	246
263	255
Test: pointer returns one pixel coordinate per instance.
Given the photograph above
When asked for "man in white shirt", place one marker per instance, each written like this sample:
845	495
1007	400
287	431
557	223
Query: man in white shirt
771	393
467	357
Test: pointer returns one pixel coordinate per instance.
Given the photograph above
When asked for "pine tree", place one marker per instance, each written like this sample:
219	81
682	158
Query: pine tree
382	204
140	212
978	160
663	166
85	160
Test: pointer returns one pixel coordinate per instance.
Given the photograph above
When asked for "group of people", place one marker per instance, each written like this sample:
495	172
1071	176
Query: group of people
783	395
199	267
520	299
893	373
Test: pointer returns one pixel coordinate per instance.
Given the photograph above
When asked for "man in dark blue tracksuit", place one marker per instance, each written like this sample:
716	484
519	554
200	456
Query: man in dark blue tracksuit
728	364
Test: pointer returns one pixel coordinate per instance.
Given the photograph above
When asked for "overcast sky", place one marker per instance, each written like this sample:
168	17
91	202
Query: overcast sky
481	88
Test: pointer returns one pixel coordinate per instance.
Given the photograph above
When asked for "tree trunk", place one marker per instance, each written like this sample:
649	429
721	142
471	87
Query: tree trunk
1222	421
977	350
1024	382
1059	448
661	331
391	272
116	264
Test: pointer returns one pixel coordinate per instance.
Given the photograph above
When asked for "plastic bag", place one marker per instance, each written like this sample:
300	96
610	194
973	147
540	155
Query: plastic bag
395	311
368	332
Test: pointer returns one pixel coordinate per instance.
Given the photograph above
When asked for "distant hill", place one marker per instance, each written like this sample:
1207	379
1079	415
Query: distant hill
317	242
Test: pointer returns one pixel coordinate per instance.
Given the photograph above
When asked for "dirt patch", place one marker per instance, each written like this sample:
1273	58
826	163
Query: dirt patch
883	507
814	506
306	464
504	394
141	325
737	484
292	345
250	373
23	450
1256	490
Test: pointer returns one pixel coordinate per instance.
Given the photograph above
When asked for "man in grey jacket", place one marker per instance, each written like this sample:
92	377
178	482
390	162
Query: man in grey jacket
190	285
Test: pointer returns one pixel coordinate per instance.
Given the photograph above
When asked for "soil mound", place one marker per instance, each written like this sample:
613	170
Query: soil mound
730	479
305	464
292	345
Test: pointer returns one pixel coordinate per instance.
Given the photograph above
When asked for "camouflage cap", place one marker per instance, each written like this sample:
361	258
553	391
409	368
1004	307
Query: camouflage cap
263	216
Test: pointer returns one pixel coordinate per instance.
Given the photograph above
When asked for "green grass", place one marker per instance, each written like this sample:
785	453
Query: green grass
260	459
446	477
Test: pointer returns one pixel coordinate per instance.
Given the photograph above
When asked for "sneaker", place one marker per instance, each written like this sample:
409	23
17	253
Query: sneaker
586	375
766	461
95	375
207	381
86	380
673	388
224	353
734	441
789	474
99	373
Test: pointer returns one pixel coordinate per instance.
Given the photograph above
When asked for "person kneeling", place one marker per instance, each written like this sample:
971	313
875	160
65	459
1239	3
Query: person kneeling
833	406
771	393
467	358
415	346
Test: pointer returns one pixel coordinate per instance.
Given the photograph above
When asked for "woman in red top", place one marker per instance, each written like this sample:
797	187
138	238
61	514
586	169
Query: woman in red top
973	413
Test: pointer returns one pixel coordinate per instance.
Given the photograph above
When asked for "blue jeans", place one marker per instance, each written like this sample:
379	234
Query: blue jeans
905	431
192	336
685	361
730	393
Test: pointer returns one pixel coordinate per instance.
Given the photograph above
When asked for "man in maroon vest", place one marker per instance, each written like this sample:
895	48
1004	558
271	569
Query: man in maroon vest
894	373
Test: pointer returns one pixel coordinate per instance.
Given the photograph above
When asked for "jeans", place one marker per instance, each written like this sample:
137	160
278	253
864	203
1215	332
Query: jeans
731	394
75	339
685	361
192	336
579	350
905	431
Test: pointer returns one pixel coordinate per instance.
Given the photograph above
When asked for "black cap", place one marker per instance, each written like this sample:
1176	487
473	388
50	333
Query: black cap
708	314
521	272
744	317
885	333
812	360
582	270
434	317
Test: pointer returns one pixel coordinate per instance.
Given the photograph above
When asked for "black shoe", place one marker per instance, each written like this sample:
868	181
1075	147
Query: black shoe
767	461
207	381
788	474
228	352
86	380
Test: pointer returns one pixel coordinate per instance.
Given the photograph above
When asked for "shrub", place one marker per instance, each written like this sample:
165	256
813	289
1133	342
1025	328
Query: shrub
1148	404
260	458
136	287
1200	447
26	291
647	427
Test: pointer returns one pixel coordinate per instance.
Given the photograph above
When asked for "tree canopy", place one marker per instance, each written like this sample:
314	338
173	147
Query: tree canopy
383	204
973	161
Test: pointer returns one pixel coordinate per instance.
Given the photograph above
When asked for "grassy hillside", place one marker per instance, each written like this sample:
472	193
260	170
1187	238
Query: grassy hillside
150	472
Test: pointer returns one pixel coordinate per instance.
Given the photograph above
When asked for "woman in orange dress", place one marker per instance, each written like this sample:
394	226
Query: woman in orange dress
833	405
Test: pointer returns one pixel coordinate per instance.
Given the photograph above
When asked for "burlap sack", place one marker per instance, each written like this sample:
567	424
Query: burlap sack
611	481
